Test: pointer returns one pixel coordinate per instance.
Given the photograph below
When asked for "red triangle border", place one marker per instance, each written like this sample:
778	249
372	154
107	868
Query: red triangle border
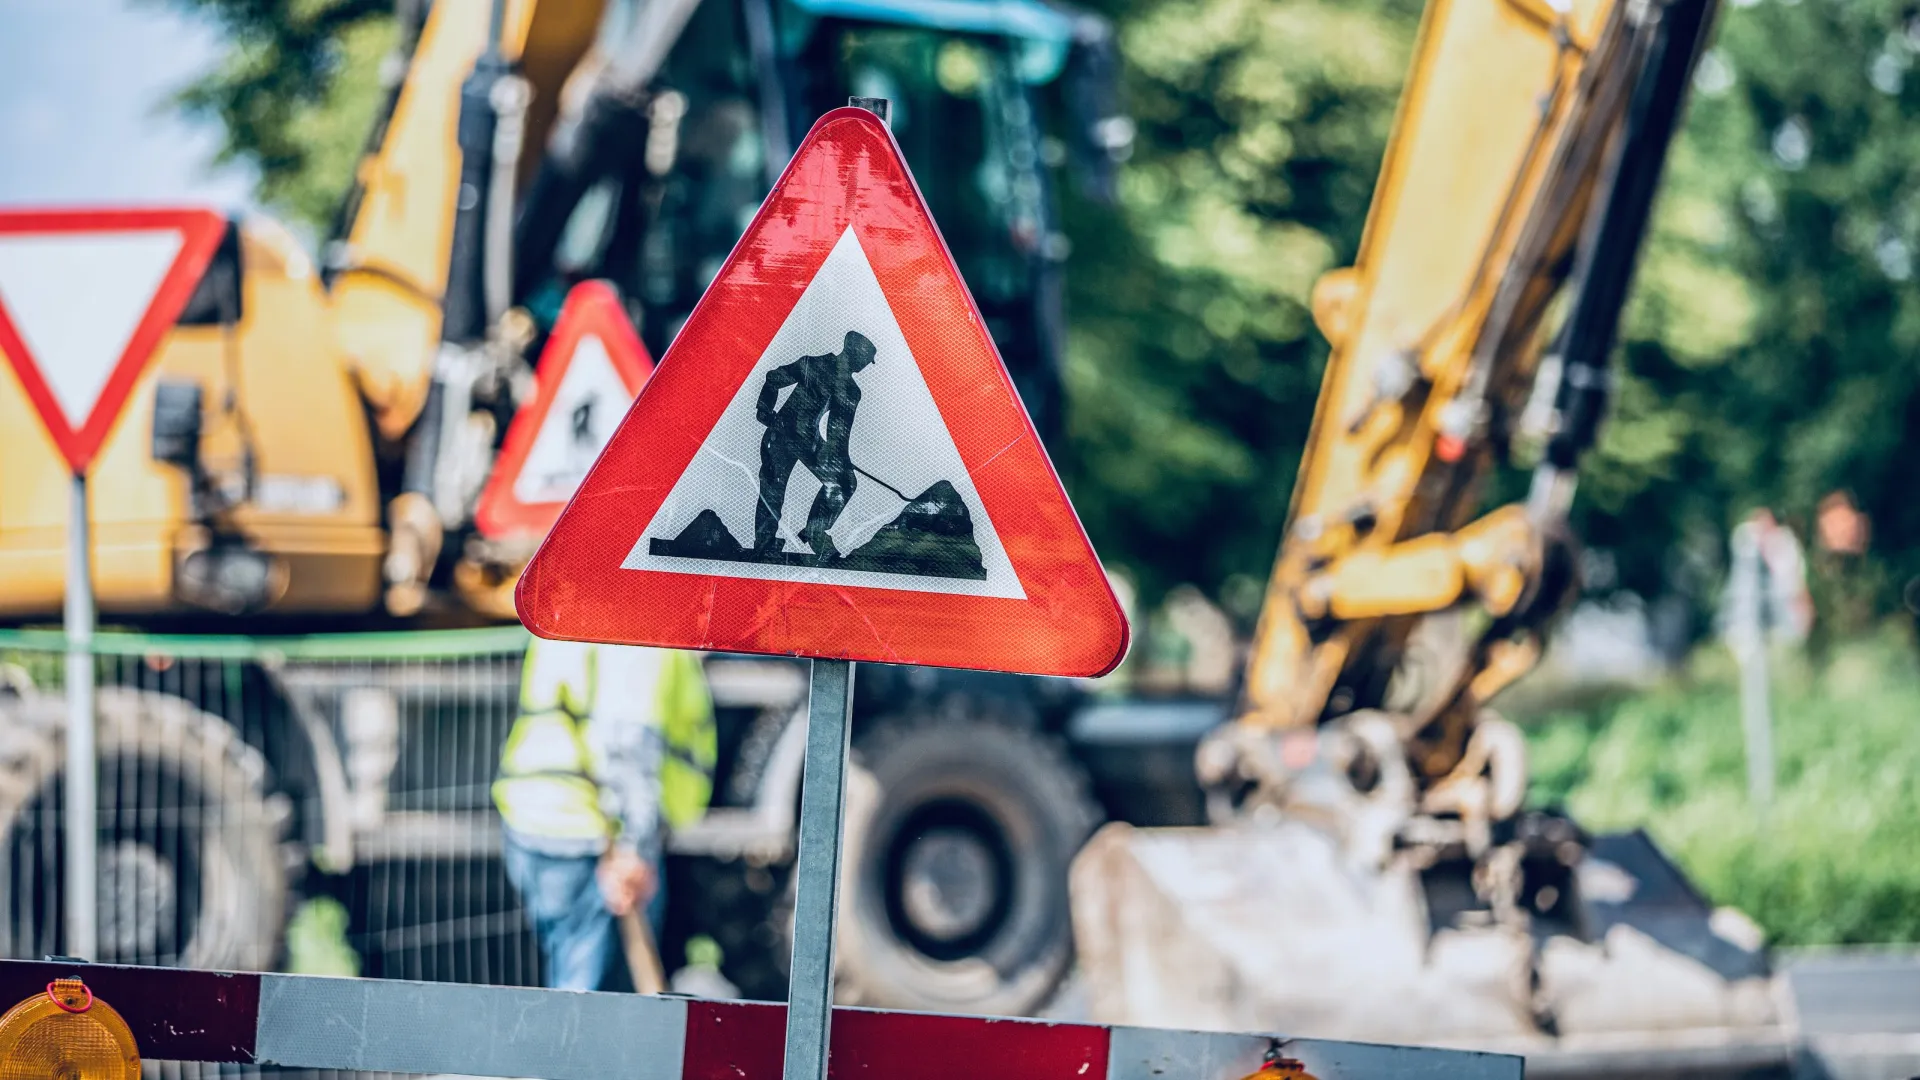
848	171
200	232
591	307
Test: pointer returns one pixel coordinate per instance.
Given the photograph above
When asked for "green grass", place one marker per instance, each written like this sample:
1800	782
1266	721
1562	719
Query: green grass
1836	860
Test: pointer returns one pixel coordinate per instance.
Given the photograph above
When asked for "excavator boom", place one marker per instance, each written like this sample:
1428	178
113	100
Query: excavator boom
1371	871
1503	182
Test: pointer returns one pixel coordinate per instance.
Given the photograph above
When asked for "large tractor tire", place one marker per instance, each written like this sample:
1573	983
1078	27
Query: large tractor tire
957	890
191	872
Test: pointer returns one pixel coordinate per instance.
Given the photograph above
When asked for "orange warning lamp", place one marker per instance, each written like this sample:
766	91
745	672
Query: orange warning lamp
1277	1066
65	1034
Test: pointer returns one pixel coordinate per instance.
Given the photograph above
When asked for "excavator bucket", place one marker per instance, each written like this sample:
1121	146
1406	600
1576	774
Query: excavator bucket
1271	926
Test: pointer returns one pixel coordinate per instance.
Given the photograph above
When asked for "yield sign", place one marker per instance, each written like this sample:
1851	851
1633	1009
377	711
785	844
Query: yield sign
831	460
85	297
589	373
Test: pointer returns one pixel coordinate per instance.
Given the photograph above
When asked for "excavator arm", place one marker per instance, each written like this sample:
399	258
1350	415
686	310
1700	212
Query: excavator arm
422	276
1379	878
1503	233
391	265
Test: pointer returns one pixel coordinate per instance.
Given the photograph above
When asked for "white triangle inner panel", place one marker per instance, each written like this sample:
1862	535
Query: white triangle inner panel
77	298
586	409
830	468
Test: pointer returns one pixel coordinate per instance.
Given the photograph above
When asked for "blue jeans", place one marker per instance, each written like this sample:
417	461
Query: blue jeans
579	939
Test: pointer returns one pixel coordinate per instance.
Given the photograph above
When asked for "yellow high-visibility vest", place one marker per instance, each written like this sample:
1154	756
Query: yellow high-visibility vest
546	785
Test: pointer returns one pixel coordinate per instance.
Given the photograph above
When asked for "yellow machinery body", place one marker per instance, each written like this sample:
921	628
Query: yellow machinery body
290	393
1395	588
318	382
1388	474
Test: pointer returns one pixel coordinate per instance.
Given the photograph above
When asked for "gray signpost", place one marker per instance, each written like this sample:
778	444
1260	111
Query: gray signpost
823	805
80	805
1765	602
823	811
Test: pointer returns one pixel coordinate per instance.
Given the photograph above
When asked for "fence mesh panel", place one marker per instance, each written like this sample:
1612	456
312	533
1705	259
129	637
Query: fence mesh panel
314	804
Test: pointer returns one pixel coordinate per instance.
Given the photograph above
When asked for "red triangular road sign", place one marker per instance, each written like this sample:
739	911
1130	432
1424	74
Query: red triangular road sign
85	296
831	460
590	371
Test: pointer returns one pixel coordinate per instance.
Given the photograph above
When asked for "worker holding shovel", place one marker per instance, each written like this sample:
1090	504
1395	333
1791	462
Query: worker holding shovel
613	746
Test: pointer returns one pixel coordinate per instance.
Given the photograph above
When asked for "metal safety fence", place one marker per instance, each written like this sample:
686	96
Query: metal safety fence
314	804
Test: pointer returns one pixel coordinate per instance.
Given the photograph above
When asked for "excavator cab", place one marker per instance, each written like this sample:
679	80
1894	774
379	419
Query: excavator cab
987	99
631	141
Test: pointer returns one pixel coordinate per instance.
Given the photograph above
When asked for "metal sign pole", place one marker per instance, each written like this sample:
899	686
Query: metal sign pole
823	810
80	807
1746	633
823	803
1756	719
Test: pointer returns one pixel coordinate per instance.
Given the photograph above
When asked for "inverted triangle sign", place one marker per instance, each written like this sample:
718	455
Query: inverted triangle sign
831	460
591	369
85	297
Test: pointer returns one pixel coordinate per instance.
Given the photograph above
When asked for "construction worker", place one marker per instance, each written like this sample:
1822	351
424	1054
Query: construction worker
614	745
811	427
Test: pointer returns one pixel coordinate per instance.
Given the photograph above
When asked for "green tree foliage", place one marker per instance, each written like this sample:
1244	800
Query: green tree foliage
1194	364
1768	350
295	93
1770	347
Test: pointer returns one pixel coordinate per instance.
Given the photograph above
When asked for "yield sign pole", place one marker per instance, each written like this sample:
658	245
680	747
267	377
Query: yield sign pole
80	805
823	811
85	297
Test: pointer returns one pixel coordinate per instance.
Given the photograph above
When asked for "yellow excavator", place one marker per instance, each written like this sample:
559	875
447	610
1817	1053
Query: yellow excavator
327	428
1371	871
288	392
305	451
303	456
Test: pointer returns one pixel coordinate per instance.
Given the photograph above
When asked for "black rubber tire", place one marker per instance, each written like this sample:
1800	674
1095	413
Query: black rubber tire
966	764
223	850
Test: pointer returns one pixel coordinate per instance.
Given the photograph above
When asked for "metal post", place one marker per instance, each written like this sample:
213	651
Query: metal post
823	804
878	106
1746	632
82	765
1756	716
823	811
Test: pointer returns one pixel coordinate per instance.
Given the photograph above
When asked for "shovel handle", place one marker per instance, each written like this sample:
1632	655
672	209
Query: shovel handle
643	958
901	495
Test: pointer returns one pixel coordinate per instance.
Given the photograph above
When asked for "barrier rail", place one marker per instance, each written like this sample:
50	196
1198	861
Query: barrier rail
382	1025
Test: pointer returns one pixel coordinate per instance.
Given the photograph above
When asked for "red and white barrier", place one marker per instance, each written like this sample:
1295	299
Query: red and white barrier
382	1025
